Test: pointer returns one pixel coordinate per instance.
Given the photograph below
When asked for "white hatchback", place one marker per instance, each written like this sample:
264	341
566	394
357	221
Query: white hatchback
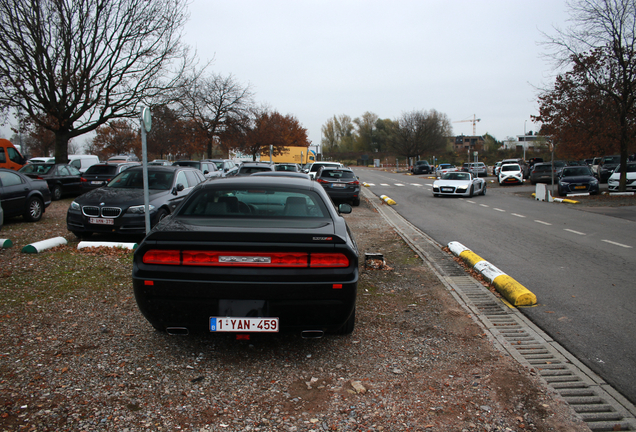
510	174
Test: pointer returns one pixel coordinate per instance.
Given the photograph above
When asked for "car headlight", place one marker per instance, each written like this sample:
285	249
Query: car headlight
139	209
462	188
595	182
75	206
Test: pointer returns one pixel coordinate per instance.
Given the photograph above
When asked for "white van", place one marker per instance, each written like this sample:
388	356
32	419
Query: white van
82	162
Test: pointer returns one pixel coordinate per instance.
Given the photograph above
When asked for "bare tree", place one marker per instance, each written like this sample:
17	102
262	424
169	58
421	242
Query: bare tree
73	65
420	132
211	102
601	46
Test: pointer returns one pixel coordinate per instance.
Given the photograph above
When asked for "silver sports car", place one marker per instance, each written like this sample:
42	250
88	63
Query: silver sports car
459	184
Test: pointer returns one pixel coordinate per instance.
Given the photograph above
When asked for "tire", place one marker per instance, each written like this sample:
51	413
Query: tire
34	209
347	327
436	195
162	213
483	191
356	202
56	193
82	235
472	191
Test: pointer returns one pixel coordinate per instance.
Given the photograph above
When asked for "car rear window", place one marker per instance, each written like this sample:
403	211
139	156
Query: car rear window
133	179
254	169
102	169
511	168
337	174
252	204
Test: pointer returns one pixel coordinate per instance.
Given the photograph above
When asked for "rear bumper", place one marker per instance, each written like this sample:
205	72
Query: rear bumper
299	306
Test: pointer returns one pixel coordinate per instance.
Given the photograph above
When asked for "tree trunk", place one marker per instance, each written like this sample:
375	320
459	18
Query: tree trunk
61	146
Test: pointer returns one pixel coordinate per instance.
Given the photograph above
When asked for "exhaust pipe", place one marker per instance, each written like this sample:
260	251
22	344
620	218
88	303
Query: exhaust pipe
312	334
177	331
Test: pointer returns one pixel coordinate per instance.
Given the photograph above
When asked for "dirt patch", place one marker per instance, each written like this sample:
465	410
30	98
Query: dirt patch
76	354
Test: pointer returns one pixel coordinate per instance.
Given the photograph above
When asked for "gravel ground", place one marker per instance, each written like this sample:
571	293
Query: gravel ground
77	355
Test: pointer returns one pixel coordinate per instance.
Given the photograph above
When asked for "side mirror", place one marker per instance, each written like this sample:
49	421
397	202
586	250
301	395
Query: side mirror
178	188
206	172
344	208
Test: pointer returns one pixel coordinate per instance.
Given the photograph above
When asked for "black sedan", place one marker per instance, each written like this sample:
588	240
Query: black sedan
63	179
341	184
98	175
21	195
577	179
250	254
118	207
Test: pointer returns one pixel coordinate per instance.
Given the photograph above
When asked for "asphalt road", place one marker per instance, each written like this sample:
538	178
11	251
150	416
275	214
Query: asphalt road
580	264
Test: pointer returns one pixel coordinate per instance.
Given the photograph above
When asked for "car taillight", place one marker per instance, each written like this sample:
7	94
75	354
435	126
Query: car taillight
245	259
82	179
167	257
322	181
355	182
328	260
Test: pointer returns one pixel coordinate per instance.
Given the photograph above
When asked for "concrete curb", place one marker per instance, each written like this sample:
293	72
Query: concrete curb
44	245
515	293
560	200
87	244
387	200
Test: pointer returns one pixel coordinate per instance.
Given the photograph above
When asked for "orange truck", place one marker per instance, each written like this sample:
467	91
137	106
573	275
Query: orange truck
298	155
10	157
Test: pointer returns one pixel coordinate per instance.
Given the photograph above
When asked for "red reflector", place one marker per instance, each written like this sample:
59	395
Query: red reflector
245	259
167	257
149	283
337	286
242	337
328	260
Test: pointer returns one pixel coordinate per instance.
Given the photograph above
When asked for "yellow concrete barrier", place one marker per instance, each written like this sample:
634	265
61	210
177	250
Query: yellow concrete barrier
387	200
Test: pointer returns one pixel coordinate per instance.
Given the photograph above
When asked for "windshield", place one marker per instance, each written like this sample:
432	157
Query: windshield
576	171
456	176
612	160
36	168
134	180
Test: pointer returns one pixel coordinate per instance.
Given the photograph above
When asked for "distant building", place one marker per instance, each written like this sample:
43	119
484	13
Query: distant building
463	144
528	143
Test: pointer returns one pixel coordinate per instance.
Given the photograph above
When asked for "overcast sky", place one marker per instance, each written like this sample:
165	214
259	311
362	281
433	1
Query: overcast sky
316	58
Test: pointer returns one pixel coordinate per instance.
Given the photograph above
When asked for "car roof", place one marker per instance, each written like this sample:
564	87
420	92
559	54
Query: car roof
264	180
281	174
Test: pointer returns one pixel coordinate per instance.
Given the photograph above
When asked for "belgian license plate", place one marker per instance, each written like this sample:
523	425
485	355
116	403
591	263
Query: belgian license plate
242	325
96	182
579	187
447	189
337	185
101	221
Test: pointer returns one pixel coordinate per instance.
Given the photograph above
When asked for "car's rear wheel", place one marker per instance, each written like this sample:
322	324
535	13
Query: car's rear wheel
348	327
483	191
56	192
356	202
472	191
34	209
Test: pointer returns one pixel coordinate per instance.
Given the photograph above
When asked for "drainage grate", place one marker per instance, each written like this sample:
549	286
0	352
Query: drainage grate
593	400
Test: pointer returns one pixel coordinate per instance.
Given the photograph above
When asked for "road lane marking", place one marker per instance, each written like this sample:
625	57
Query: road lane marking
517	215
541	222
484	205
617	244
415	184
472	202
399	184
383	184
498	209
574	232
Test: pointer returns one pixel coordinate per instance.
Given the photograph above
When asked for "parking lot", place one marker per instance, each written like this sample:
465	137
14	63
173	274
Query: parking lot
77	354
